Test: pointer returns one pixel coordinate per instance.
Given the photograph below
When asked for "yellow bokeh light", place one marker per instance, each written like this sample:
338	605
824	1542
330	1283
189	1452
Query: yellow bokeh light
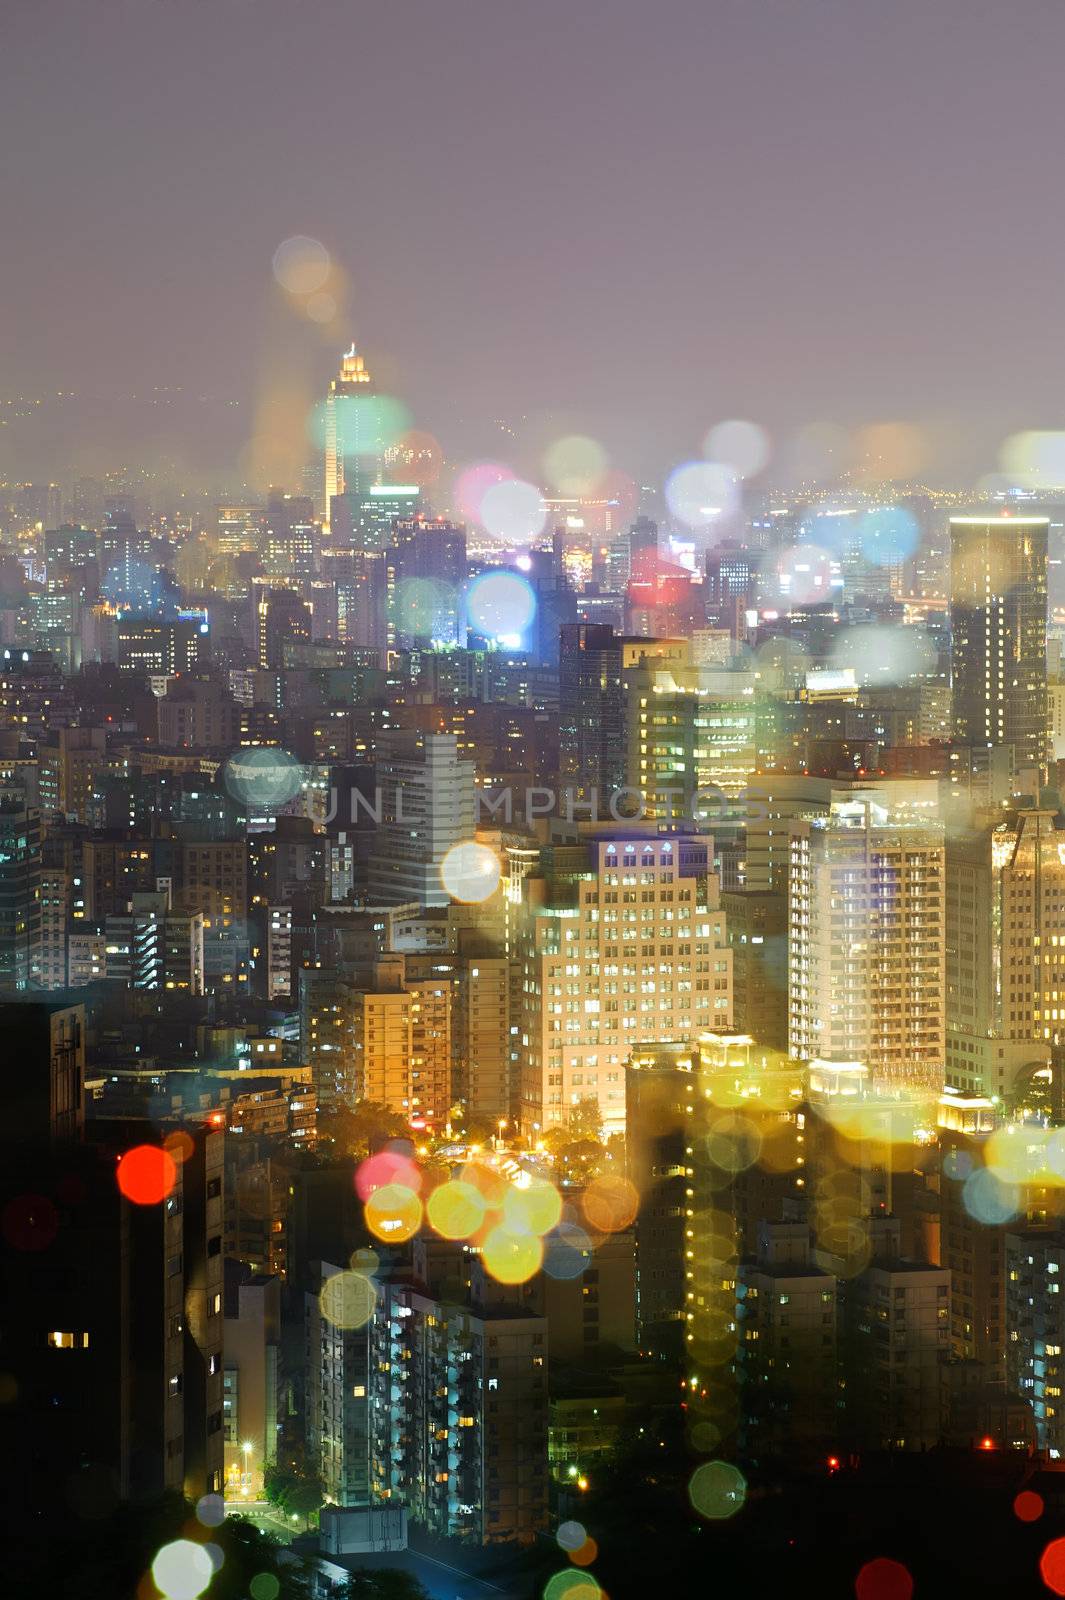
348	1299
536	1209
393	1213
455	1209
512	1257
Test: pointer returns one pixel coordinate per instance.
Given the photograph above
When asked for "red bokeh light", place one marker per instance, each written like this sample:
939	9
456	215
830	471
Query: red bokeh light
30	1222
1028	1506
883	1579
1052	1566
387	1166
147	1174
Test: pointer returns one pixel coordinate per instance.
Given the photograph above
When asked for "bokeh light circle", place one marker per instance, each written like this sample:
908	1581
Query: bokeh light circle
393	1213
717	1490
535	1209
568	1251
146	1174
571	1535
386	1166
513	510
575	465
211	1510
742	447
301	264
700	493
455	1210
263	777
512	1257
610	1203
182	1570
990	1200
883	1579
500	604
1028	1506
348	1299
572	1585
264	1586
1052	1566
470	872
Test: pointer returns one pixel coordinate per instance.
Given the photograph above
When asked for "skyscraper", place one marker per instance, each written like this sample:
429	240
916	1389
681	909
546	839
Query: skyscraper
428	805
865	947
1005	953
426	578
998	619
348	430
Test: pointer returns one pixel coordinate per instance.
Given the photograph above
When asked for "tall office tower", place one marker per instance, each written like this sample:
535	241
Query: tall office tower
351	444
595	666
690	739
998	620
621	951
428	804
426	580
1005	953
281	615
365	523
731	587
866	944
288	536
129	564
325	1001
20	893
362	611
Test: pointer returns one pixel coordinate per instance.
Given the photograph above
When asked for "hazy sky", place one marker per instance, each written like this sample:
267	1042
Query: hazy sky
630	218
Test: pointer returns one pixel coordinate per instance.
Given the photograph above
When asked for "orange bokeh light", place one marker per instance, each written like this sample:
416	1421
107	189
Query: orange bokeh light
147	1174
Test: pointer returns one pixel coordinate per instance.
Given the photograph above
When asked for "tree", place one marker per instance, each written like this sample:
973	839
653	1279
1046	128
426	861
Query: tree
293	1489
361	1129
586	1119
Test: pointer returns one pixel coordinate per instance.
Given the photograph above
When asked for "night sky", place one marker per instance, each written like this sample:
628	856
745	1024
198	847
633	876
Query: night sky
627	219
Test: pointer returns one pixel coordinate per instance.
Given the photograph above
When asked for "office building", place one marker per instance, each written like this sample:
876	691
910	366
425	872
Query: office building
866	944
351	445
998	620
1005	953
428	805
618	951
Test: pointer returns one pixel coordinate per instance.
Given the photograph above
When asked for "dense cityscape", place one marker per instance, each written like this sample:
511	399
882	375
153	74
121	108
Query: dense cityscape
532	802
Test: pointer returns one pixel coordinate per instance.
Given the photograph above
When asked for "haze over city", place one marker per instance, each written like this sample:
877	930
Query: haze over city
613	219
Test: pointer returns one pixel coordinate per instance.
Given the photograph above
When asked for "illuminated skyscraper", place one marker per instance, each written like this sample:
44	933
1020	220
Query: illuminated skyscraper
998	620
347	428
866	944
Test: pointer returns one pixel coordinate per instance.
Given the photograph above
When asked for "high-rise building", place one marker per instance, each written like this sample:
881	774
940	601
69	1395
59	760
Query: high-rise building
998	619
866	944
426	583
401	1043
622	950
282	615
351	445
897	1336
1005	952
595	667
788	1350
20	892
428	804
